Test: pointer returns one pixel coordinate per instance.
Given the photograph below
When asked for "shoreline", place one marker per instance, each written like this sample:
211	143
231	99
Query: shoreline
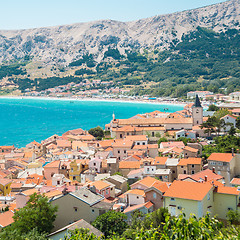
97	100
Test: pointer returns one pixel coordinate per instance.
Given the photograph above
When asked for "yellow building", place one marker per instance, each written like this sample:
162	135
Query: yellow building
201	198
76	168
189	198
5	186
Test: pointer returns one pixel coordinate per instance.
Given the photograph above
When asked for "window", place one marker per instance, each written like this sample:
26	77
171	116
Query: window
192	165
143	143
58	182
172	199
120	135
154	195
94	164
75	209
160	177
107	191
184	172
118	151
93	210
148	169
138	143
208	196
125	151
193	172
173	171
137	197
74	178
153	134
181	166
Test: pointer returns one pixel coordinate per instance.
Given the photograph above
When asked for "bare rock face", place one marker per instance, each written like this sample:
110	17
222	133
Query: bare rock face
62	44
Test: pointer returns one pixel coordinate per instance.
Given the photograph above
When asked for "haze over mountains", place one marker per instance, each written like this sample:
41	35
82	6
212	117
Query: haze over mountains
63	44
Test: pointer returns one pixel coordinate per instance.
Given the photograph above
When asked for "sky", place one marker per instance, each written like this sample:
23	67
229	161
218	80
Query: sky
22	14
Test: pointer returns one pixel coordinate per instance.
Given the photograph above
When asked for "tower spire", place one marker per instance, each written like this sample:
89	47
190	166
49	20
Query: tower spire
197	102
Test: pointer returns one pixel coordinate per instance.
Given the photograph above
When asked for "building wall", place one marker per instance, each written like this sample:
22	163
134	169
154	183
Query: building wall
189	207
66	211
222	203
155	197
49	172
188	154
134	199
178	126
197	114
5	189
120	152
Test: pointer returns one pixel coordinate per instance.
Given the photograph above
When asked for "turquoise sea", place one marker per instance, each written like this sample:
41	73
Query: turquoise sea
25	120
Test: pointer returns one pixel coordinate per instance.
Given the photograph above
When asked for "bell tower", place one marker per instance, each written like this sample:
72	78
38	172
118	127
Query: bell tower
197	112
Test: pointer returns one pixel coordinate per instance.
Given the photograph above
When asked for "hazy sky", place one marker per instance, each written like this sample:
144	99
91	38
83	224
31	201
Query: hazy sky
19	14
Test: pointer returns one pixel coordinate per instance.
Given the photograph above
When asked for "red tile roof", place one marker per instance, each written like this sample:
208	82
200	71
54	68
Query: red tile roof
227	190
188	190
221	157
6	218
129	164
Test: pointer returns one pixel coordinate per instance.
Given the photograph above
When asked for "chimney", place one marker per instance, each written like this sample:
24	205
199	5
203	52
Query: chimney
205	178
213	169
232	151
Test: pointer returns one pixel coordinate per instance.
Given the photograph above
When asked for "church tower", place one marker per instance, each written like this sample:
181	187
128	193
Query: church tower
197	112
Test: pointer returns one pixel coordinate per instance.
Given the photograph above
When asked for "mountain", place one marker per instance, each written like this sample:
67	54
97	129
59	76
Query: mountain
160	56
62	44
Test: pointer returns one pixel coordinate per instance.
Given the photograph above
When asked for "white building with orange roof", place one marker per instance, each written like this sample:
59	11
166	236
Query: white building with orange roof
134	197
144	208
229	121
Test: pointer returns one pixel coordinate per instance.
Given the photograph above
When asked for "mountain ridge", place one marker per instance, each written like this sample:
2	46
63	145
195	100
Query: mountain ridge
65	43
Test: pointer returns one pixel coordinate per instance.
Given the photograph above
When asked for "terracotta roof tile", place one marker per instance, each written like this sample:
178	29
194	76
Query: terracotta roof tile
222	157
160	160
228	190
188	190
136	192
6	218
135	207
129	164
186	161
100	185
235	181
147	181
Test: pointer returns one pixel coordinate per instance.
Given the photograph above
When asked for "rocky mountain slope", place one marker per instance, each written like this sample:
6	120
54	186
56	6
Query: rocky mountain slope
63	44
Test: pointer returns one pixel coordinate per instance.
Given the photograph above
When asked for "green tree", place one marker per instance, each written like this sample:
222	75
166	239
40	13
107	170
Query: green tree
232	131
213	107
209	125
162	139
82	234
221	113
12	233
233	217
238	123
111	222
38	214
97	132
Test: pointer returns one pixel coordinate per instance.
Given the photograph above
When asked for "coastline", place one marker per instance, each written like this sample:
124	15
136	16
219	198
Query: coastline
98	100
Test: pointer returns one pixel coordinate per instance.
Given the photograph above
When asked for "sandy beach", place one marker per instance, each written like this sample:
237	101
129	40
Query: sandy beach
97	99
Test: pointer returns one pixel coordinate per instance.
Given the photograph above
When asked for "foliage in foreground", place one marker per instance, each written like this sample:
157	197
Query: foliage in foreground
32	221
160	225
111	222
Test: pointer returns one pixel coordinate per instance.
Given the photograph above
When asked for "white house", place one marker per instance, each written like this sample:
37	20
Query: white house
229	120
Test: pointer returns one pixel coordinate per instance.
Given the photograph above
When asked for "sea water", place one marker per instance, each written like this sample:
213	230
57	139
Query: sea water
25	120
